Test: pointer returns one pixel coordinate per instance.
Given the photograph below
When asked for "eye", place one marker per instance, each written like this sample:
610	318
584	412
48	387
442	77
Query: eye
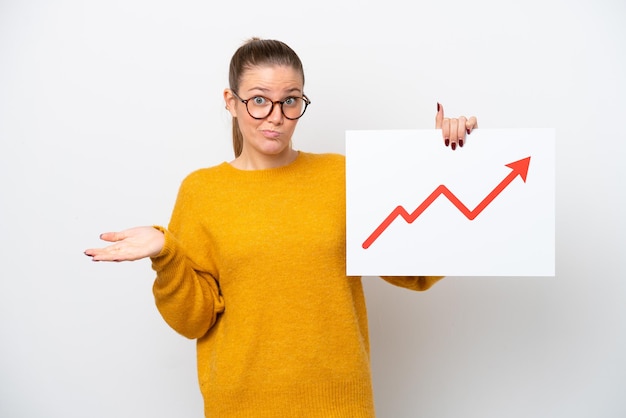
290	101
259	100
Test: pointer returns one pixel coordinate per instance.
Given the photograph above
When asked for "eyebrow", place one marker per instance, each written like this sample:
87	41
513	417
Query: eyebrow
264	90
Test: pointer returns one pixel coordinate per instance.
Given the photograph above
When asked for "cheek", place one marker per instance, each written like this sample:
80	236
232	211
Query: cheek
246	123
239	112
291	125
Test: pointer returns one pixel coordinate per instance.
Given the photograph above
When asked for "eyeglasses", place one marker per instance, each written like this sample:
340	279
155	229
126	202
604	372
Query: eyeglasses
260	107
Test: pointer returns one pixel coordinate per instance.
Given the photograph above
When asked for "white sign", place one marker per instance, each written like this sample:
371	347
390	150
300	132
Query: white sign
416	207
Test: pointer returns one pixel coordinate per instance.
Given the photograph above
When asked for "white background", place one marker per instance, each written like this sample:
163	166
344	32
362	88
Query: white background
513	236
106	105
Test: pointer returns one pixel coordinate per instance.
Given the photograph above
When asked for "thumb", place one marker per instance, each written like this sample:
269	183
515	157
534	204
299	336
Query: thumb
112	236
439	116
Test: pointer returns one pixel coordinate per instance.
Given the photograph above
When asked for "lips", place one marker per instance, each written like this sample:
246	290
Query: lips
270	134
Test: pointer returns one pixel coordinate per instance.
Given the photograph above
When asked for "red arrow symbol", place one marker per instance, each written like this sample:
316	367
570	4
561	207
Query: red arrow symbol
519	168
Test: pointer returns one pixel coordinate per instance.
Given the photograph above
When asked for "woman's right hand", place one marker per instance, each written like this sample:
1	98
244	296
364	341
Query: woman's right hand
129	245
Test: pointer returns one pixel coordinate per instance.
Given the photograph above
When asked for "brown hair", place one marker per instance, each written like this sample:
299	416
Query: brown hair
258	52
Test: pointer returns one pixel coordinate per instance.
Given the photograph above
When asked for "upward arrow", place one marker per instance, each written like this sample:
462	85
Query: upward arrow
519	168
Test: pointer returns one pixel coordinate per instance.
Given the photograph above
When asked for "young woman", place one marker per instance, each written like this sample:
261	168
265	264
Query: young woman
252	264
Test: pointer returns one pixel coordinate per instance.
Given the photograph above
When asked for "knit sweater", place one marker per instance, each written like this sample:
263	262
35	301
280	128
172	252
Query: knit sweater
254	268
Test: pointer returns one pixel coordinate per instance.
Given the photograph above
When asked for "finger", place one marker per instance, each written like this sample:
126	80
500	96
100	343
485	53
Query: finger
111	257
439	117
94	253
112	253
99	252
471	124
104	256
454	139
445	131
108	257
460	131
112	236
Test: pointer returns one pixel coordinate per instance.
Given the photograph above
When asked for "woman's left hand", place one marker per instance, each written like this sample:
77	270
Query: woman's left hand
454	130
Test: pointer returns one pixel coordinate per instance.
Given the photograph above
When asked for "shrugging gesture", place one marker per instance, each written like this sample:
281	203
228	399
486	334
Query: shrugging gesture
129	245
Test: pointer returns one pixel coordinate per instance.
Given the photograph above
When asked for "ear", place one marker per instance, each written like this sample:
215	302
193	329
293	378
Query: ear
231	102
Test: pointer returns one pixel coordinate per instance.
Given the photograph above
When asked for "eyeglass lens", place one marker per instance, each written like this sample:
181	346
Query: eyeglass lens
260	107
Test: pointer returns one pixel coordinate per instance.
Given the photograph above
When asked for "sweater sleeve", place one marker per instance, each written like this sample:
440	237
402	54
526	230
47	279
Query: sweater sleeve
188	298
418	283
186	290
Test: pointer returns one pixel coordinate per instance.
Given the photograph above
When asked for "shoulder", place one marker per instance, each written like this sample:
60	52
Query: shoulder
205	176
207	172
323	157
327	169
327	160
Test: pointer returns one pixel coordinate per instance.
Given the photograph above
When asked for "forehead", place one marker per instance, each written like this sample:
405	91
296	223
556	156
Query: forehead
271	77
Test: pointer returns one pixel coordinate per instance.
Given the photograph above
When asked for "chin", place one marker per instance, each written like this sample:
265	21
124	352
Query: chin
274	149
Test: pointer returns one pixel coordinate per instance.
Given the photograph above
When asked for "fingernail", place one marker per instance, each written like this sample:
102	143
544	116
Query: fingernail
468	131
460	142
453	146
447	142
437	106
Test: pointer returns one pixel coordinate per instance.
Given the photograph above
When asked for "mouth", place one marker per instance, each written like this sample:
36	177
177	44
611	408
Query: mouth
270	134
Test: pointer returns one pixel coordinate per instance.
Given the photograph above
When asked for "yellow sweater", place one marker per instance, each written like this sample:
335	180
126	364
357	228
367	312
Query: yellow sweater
253	267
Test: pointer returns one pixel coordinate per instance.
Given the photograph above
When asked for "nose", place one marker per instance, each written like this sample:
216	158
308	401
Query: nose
276	115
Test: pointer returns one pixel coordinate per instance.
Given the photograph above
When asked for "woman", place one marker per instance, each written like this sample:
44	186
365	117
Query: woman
252	264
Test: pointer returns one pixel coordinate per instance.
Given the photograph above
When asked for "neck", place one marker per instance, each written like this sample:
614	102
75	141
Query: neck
249	161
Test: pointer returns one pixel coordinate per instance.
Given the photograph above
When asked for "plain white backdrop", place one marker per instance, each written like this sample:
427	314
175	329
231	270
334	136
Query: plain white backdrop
106	105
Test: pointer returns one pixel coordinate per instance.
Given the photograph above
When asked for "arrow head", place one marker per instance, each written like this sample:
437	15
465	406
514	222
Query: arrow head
520	167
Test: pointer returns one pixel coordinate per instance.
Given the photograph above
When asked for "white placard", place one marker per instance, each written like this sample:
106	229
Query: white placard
416	207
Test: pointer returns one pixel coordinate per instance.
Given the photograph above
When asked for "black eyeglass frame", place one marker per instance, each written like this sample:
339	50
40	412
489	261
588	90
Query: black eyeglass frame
306	100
